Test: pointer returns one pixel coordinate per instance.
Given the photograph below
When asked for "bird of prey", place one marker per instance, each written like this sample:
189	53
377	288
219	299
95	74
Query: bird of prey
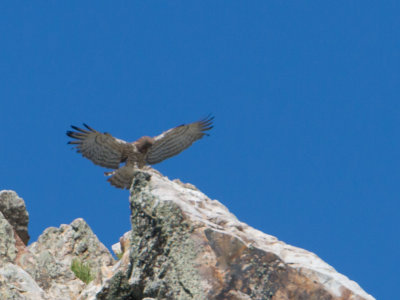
107	151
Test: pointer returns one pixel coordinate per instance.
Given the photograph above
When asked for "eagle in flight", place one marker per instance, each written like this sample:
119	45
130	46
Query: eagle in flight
107	151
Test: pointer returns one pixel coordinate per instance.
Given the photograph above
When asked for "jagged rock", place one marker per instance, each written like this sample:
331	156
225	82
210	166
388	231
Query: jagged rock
185	246
54	252
14	210
15	282
43	270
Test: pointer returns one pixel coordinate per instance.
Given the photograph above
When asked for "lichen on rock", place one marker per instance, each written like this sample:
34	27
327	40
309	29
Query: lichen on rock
8	249
182	245
185	246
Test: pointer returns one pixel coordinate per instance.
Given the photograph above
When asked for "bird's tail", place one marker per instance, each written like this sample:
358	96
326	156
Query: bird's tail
122	177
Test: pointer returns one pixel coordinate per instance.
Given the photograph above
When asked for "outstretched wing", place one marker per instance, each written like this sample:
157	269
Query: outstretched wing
101	148
175	140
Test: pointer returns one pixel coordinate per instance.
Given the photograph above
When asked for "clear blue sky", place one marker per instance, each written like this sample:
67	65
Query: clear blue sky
305	97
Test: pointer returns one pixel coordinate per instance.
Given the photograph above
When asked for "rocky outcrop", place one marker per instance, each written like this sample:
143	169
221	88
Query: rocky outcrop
15	282
14	210
42	270
185	246
55	250
182	245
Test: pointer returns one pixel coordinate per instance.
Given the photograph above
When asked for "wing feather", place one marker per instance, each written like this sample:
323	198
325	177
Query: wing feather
175	140
101	148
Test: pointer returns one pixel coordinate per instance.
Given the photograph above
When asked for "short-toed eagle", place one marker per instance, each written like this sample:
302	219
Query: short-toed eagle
107	151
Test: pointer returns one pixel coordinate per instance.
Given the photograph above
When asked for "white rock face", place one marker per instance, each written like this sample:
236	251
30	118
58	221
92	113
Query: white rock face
209	218
199	207
15	283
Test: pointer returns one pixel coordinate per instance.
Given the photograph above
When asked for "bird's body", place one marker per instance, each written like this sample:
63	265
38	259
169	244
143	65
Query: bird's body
107	151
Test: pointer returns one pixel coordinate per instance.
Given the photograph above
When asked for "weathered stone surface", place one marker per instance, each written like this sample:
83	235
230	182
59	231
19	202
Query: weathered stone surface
43	270
8	249
15	283
54	252
182	246
185	246
14	210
